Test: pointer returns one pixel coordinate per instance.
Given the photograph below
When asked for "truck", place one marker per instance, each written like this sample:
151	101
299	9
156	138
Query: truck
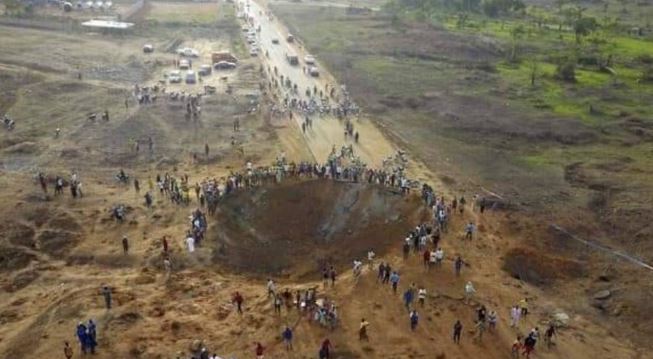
223	56
292	59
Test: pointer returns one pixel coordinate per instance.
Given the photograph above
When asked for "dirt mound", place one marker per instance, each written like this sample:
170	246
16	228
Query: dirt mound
299	227
18	233
13	258
538	268
56	242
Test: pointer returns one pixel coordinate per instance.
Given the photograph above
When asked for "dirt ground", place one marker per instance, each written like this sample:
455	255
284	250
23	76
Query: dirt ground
56	252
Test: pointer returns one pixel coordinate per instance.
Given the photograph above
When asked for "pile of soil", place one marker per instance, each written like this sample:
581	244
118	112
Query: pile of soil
297	228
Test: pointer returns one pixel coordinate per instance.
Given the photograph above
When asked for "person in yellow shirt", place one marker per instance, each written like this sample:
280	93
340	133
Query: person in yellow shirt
523	304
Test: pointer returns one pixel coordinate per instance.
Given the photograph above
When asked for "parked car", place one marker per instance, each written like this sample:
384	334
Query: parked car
253	52
148	48
290	38
309	60
313	71
188	52
191	77
184	64
174	76
224	65
205	70
275	41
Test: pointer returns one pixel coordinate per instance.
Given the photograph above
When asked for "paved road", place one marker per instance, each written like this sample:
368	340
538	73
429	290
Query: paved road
327	131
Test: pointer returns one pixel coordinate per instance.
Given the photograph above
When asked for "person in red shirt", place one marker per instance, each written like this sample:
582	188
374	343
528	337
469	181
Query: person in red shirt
325	350
426	258
259	350
238	299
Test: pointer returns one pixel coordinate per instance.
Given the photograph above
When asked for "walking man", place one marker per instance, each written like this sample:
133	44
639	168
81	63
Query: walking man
457	330
106	293
125	245
287	338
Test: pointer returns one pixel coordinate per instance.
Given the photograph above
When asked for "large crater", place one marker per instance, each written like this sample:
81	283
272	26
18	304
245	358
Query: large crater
296	228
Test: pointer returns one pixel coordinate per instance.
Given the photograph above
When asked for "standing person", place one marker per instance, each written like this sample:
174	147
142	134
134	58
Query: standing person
271	287
426	258
91	336
414	319
394	279
458	265
82	336
67	350
439	257
406	248
516	347
125	244
480	329
529	345
287	338
106	293
515	315
206	150
164	243
167	265
492	320
457	331
370	258
259	350
325	277
238	300
332	274
137	185
277	304
190	243
469	230
523	304
549	334
386	273
362	330
408	299
469	291
325	349
421	295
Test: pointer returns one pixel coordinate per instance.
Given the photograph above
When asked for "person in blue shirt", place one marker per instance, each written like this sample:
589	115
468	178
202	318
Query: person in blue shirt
394	279
414	318
287	338
408	298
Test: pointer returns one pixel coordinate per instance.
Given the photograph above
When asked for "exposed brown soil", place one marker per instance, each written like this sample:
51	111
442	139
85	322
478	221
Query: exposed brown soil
298	228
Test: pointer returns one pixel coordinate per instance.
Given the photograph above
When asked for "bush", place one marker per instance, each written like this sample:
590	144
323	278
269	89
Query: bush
566	71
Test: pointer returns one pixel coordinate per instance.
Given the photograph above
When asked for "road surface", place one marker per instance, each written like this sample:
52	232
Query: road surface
327	130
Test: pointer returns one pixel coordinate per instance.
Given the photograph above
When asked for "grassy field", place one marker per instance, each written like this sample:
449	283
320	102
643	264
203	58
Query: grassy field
451	95
183	13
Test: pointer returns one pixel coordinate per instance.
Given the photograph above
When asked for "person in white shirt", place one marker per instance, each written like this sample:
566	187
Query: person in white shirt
271	288
421	295
439	256
469	291
370	258
190	243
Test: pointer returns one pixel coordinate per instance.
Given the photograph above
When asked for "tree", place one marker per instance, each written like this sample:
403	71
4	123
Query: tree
583	26
533	67
12	7
516	33
566	71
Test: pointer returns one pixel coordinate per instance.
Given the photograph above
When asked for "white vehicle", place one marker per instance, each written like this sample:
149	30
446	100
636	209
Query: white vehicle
253	52
188	52
184	64
224	65
148	48
313	71
174	76
191	77
309	60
